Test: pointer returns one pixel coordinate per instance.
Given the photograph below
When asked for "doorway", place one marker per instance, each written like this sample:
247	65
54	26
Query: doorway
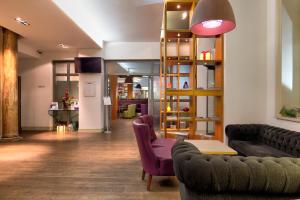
133	87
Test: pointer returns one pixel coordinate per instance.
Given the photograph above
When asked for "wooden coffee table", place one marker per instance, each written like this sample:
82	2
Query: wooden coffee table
212	147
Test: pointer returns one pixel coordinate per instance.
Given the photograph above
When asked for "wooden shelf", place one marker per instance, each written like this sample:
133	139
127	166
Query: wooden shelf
205	119
179	33
211	64
176	74
180	92
175	111
175	118
179	53
209	92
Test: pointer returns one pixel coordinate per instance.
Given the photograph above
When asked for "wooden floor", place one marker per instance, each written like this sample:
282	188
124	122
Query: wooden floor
83	166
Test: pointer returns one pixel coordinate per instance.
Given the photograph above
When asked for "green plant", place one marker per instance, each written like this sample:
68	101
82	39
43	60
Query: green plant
285	112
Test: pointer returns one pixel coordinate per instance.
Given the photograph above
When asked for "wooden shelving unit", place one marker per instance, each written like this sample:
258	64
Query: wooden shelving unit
179	66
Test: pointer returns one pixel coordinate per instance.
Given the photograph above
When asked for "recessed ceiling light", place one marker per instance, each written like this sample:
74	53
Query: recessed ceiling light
178	6
62	45
184	15
22	21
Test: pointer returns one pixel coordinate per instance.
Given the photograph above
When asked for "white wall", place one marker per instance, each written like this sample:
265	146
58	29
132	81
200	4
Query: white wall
245	64
37	89
131	50
273	14
91	109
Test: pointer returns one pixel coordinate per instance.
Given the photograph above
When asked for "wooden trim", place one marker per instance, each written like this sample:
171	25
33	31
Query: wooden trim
113	81
1	77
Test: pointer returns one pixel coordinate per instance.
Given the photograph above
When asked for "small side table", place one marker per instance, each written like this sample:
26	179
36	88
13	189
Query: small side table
214	147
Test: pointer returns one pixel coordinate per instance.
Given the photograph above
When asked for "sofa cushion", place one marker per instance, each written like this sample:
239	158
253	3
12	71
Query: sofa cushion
282	139
249	148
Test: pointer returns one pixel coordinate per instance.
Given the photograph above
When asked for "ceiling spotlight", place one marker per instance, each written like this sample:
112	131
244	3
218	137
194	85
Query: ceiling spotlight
22	21
184	15
178	6
62	45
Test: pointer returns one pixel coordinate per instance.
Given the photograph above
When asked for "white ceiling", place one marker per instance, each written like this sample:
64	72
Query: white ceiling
82	23
49	26
116	20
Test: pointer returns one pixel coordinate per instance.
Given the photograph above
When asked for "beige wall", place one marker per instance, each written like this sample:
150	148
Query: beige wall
273	14
245	64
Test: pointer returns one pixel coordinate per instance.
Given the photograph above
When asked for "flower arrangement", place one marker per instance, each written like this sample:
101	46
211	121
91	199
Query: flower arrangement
67	100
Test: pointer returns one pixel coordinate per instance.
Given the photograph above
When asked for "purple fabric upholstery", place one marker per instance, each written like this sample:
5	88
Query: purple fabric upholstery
144	109
162	142
156	142
155	160
148	119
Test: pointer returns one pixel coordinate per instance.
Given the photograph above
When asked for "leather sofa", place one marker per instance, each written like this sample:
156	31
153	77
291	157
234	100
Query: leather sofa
263	140
234	177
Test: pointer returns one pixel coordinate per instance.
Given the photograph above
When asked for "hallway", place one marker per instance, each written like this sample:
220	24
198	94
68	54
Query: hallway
89	166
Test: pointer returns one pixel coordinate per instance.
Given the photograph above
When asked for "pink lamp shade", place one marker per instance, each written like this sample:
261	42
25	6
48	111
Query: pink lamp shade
212	17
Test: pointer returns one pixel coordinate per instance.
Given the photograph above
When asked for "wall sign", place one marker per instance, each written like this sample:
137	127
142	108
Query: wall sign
89	89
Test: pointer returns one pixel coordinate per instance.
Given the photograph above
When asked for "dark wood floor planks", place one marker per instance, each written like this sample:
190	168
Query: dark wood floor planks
83	166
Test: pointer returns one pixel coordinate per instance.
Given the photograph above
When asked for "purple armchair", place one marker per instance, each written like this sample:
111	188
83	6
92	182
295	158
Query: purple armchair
144	109
156	160
156	142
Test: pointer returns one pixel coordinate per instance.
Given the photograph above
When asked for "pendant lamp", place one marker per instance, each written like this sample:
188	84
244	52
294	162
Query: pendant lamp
212	17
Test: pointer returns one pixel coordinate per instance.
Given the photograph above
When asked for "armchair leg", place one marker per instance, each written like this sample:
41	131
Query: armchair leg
149	182
143	174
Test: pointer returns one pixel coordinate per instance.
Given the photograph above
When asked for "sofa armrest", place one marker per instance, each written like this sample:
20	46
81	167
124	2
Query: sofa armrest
245	132
219	174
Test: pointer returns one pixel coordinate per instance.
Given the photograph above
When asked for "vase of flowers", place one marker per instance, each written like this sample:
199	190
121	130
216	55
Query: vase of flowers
67	100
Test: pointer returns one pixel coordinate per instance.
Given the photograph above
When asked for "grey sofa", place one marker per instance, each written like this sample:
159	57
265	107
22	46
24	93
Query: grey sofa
234	177
263	140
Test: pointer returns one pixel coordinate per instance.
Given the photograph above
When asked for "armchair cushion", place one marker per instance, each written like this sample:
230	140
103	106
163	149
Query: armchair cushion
130	112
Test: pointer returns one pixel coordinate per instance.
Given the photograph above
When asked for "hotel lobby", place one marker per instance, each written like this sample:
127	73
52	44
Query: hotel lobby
149	99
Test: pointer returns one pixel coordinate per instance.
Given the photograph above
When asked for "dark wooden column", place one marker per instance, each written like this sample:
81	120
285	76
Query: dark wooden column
1	68
9	77
113	81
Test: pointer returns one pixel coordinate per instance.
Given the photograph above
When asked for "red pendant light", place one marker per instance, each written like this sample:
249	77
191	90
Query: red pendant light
212	17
